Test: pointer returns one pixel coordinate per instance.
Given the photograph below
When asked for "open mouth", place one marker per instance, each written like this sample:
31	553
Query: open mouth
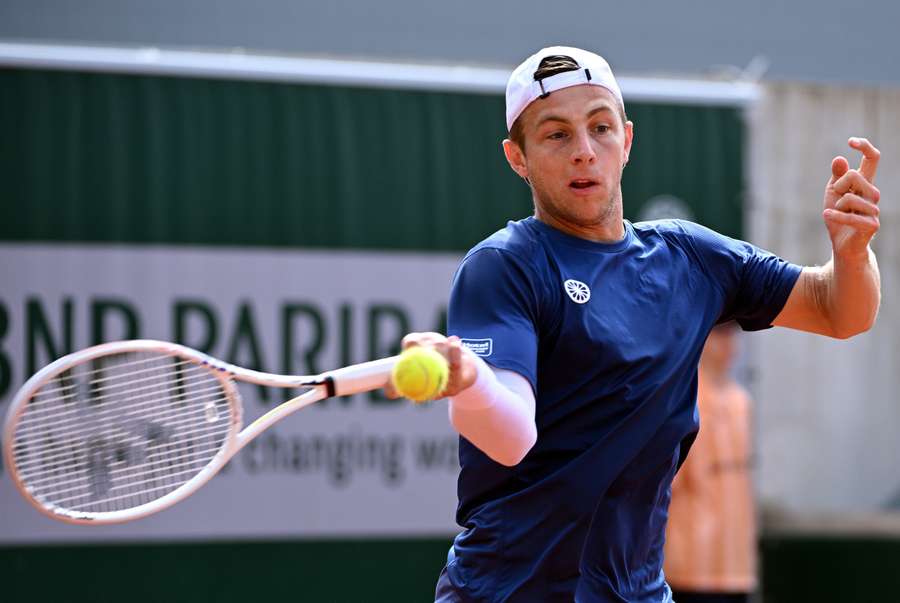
582	183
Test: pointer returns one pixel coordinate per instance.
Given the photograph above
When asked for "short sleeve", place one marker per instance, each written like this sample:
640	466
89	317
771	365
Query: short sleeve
755	283
493	309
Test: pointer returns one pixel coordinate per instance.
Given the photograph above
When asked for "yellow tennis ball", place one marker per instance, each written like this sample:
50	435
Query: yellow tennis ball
420	374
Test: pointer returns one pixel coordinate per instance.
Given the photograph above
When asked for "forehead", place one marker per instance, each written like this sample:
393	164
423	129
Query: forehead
571	104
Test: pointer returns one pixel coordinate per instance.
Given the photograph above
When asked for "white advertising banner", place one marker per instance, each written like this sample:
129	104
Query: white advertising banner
358	466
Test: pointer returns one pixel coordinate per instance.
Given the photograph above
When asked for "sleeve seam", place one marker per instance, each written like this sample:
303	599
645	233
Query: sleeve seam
706	271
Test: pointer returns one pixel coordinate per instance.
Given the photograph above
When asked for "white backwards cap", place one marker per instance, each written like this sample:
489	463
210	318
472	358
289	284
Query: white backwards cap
522	89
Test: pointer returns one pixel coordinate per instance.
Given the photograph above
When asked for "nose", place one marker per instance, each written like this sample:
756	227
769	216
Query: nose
583	150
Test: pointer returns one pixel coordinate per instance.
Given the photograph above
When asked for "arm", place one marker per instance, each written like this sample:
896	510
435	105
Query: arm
496	413
492	408
841	298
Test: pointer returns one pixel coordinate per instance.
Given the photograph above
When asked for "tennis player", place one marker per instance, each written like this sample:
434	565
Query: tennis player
575	342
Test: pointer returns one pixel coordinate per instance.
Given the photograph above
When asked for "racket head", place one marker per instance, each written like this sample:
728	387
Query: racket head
120	430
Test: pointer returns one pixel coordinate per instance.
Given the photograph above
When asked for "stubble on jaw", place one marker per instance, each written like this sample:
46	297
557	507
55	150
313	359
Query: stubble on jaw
610	212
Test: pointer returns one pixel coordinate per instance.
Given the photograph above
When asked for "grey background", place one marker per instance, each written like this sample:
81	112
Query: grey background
826	41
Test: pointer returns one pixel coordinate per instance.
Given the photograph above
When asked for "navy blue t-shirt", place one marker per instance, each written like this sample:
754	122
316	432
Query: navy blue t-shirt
609	336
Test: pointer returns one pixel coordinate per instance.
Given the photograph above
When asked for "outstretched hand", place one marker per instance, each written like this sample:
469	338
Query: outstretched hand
851	202
463	370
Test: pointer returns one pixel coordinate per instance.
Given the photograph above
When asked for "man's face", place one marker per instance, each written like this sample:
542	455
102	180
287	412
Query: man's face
575	148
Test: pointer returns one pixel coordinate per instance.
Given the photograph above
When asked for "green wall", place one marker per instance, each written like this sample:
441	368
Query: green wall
314	571
140	159
851	568
795	568
103	158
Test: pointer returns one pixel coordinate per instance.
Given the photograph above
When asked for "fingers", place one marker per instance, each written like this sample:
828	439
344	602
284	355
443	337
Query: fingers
854	204
429	338
390	392
853	181
463	371
862	224
454	353
851	201
868	166
426	339
449	348
839	167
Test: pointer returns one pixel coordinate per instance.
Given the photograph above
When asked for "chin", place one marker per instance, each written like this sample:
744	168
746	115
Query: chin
588	220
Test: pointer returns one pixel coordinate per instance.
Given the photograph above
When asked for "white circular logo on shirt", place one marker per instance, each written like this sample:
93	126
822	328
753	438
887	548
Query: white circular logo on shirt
577	291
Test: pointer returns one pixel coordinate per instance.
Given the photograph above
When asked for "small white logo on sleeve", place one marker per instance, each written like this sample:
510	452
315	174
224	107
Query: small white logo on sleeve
577	291
481	347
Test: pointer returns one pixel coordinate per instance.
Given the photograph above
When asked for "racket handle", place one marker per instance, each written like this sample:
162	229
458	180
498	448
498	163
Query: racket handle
362	377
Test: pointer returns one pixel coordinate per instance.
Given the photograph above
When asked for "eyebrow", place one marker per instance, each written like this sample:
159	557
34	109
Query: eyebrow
602	108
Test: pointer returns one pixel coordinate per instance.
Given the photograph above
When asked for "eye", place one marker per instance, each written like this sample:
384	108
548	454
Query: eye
557	135
602	128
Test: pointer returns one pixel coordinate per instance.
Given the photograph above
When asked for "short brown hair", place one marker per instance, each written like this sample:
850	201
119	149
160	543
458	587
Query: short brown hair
549	66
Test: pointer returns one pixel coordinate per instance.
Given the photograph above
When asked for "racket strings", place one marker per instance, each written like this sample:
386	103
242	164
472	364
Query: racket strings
102	388
120	431
95	376
75	454
73	416
147	470
149	485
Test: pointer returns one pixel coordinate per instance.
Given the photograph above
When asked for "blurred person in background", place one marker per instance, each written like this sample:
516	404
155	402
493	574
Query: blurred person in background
710	550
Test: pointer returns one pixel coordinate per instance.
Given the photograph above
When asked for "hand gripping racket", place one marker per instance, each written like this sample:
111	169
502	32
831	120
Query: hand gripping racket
121	430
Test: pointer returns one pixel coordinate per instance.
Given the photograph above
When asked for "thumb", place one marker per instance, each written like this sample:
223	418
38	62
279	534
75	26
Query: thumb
839	167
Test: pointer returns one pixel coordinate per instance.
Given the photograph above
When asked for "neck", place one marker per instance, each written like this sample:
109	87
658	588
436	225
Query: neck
608	229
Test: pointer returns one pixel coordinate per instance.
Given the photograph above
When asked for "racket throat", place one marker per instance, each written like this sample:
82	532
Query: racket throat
330	387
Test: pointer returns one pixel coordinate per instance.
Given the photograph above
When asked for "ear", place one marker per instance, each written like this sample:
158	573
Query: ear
629	137
516	158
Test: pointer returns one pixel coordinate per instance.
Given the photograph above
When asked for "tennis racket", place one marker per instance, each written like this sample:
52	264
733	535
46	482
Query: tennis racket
122	430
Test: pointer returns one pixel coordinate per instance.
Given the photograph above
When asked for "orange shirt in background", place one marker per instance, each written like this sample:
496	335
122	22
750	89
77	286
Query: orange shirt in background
711	534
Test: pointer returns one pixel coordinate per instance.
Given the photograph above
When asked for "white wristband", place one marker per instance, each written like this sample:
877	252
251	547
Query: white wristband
483	392
496	414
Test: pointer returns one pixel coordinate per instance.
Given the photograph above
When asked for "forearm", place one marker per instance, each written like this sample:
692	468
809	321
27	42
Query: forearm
496	414
850	294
